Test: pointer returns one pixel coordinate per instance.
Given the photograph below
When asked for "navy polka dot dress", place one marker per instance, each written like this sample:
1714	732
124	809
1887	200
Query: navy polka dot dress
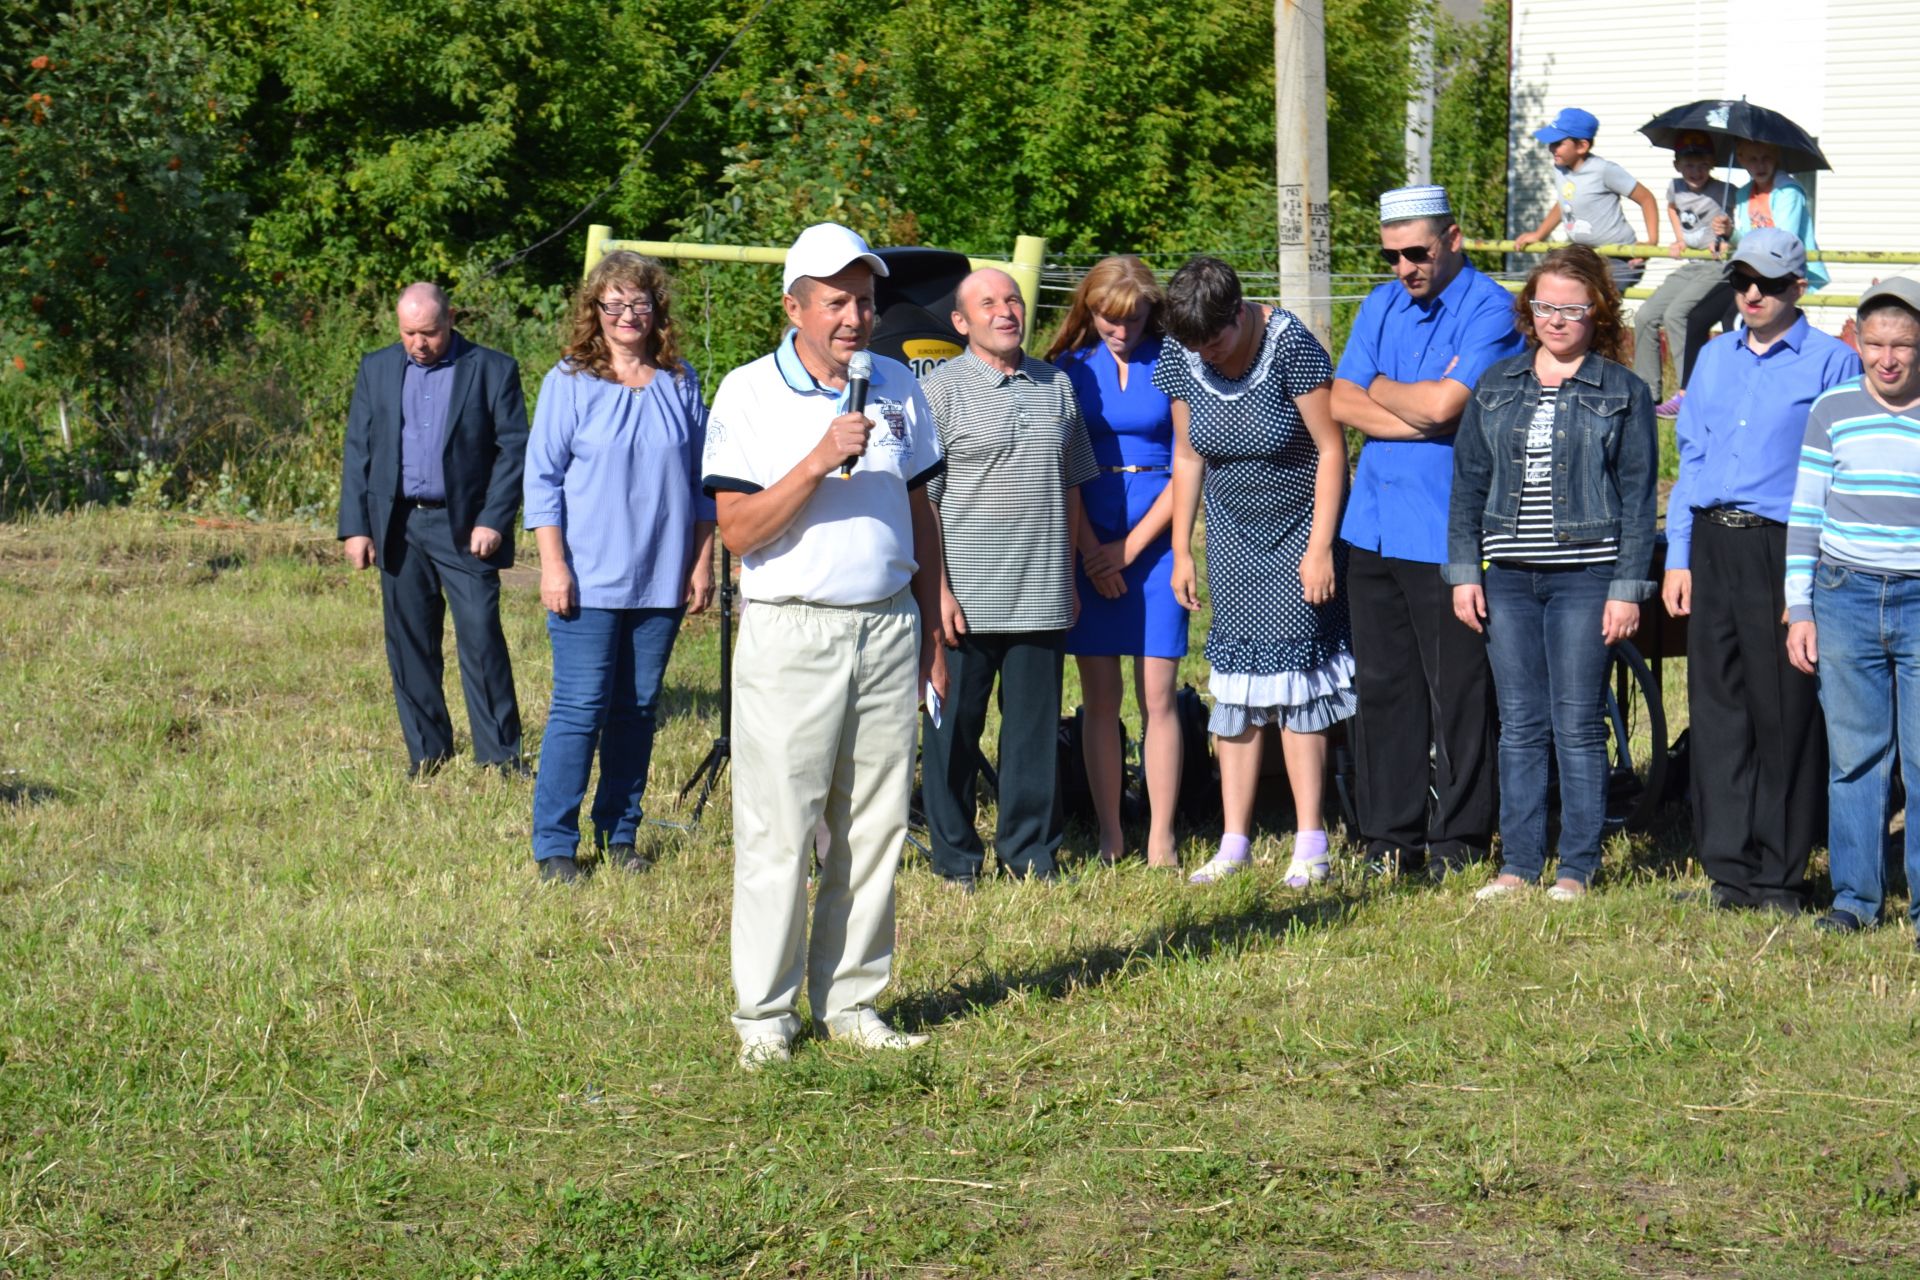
1274	656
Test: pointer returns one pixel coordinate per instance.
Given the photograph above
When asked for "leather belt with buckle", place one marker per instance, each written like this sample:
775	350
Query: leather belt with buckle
1735	518
429	504
1132	470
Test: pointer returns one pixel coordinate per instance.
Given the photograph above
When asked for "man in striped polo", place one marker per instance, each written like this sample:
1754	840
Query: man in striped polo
1759	758
1853	594
1016	451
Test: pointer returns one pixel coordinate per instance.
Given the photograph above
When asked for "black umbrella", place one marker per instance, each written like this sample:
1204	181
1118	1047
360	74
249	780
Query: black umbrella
1742	121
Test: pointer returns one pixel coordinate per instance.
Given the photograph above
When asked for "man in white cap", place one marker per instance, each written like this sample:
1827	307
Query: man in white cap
1424	734
840	556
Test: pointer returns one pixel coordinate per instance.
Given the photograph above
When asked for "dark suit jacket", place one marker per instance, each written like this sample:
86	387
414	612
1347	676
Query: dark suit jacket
486	449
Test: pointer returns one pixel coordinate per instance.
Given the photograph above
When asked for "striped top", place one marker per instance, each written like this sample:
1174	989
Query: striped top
1857	498
1014	444
1533	543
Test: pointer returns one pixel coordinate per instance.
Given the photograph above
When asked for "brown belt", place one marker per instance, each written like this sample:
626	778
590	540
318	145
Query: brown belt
1735	518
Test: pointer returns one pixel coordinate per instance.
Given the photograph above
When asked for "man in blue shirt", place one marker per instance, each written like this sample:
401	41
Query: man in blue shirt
429	484
1424	736
1759	745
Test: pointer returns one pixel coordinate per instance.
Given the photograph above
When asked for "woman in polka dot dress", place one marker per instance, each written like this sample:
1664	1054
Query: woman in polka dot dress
1253	430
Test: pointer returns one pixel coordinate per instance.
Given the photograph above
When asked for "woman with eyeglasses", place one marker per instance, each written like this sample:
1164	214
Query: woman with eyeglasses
626	547
1549	546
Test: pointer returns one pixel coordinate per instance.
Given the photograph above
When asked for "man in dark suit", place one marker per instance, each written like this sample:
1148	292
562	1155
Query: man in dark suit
436	440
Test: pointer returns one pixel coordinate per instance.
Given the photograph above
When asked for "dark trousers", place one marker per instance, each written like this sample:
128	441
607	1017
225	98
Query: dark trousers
1424	690
1029	665
1758	744
417	584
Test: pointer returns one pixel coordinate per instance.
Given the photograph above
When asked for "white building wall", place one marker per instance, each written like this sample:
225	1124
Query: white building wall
1847	71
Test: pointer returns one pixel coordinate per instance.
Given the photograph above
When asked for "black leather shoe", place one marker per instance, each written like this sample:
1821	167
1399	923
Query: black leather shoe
426	768
1387	862
1838	921
627	858
514	768
560	870
1450	857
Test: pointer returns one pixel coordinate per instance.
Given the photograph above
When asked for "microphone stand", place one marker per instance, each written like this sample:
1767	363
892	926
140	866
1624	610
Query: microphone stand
707	772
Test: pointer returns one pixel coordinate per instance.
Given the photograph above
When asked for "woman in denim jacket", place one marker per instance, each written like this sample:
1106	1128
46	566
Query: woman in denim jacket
1553	490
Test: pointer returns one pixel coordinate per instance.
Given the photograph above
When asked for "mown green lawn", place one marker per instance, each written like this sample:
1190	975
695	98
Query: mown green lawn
267	1009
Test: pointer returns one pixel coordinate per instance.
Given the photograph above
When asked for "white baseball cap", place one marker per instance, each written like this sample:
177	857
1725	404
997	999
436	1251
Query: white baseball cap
825	249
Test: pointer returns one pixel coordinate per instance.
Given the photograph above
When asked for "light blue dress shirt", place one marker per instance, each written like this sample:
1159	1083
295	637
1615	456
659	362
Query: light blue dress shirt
618	471
1742	422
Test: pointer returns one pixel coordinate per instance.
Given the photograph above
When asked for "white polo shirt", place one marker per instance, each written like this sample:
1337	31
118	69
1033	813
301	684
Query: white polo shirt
853	541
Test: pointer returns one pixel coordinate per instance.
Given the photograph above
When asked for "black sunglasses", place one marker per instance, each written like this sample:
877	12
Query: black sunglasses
1419	255
1771	286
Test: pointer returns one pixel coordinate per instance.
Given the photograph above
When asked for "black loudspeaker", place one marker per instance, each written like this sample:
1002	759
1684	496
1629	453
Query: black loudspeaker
913	303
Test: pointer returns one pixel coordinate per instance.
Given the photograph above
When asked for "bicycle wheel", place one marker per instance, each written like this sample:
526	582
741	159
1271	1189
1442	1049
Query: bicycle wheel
1636	741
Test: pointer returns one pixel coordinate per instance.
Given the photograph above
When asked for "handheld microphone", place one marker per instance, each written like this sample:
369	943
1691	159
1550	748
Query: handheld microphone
859	375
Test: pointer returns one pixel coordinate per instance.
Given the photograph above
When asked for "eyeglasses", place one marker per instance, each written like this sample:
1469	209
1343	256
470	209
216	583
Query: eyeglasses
1572	312
1419	255
639	307
1770	286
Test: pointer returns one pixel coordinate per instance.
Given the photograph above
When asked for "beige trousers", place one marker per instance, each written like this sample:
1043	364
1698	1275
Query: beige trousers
823	725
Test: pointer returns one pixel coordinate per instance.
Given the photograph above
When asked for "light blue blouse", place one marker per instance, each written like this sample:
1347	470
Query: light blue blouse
618	471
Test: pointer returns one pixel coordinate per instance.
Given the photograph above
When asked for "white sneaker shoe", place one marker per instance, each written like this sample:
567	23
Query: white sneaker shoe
865	1029
764	1051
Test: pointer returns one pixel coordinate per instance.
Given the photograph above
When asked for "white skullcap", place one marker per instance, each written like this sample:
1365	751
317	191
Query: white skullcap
1414	202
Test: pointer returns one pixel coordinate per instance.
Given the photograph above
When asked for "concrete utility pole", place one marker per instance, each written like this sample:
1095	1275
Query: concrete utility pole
1300	159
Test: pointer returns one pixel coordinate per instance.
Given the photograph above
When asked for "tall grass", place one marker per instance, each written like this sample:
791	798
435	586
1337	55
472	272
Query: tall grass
267	1009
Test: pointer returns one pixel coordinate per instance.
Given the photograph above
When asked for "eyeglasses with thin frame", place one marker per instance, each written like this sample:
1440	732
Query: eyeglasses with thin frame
1571	312
1770	286
639	307
1419	255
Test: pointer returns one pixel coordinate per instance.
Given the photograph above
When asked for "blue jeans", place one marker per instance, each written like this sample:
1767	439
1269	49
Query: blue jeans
1869	670
1549	677
607	668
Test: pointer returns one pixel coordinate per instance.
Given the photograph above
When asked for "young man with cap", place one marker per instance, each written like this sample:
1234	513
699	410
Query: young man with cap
1590	193
1758	749
1425	697
842	570
1853	594
1009	506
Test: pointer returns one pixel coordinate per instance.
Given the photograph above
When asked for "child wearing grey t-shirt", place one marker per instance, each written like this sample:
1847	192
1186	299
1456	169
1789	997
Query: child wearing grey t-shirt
1590	191
1688	302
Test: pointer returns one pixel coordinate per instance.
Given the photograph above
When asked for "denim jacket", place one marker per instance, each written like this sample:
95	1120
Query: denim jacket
1606	457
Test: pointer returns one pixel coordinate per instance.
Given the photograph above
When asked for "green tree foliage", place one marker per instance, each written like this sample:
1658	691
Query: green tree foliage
291	162
118	221
1470	119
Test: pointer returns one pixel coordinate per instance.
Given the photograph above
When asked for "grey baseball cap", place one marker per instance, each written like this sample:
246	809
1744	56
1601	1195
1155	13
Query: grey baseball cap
1771	252
1901	289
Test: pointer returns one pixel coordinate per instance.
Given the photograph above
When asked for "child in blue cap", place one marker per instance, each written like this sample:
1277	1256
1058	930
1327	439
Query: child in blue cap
1590	193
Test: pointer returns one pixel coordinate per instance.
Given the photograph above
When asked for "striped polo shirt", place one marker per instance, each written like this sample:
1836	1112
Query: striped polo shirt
1856	500
1014	444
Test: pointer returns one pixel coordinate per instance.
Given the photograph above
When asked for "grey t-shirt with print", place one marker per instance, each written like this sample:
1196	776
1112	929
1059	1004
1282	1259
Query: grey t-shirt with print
1698	209
1590	202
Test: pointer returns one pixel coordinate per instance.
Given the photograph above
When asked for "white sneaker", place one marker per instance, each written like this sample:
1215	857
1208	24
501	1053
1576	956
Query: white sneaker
1498	889
764	1051
1567	893
865	1029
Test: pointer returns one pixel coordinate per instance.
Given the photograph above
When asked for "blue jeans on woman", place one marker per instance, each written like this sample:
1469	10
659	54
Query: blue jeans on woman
1549	677
607	669
1869	669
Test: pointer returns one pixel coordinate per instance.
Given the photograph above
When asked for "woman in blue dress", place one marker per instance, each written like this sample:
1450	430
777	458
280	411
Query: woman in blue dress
1254	434
1107	348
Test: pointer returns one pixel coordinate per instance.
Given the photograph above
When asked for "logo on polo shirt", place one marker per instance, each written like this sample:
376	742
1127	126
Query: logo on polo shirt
892	416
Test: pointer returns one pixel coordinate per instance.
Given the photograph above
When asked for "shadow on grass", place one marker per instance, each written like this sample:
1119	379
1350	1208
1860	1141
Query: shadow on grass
18	791
680	700
1192	940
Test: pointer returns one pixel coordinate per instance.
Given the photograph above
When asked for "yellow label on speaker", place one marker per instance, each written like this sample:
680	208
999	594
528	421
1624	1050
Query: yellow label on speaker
924	355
